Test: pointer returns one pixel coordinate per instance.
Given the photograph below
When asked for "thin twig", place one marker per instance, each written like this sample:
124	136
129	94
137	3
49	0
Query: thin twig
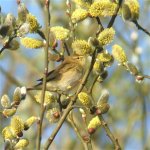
71	24
41	34
140	27
101	28
91	88
69	108
109	133
73	124
47	3
110	24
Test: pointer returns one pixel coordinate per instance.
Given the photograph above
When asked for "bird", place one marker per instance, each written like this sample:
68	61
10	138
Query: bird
65	77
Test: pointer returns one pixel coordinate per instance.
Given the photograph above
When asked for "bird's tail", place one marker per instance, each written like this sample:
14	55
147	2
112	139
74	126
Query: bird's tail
35	87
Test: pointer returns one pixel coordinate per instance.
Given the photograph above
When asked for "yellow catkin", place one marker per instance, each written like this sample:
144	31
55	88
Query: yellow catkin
82	3
9	112
131	10
49	97
60	32
81	47
7	133
22	144
34	25
106	36
106	58
31	43
79	15
102	8
98	67
119	54
29	122
84	99
17	125
94	123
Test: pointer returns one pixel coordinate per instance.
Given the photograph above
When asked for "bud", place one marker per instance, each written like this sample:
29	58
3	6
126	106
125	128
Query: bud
24	29
94	124
22	144
139	78
132	69
17	125
22	12
83	113
93	42
91	130
28	123
17	96
104	97
126	12
5	101
86	138
98	67
4	29
9	112
84	99
13	45
106	58
102	108
130	10
23	92
102	76
10	20
53	115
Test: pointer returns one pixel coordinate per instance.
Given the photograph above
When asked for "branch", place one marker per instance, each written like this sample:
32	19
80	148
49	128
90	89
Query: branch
110	24
47	3
69	108
101	28
76	129
109	133
140	27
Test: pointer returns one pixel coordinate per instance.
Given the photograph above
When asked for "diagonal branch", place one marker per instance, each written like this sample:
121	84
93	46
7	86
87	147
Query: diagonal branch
141	28
115	15
109	133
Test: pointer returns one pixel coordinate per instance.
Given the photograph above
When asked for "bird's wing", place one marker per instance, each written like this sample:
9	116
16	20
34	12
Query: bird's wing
57	72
